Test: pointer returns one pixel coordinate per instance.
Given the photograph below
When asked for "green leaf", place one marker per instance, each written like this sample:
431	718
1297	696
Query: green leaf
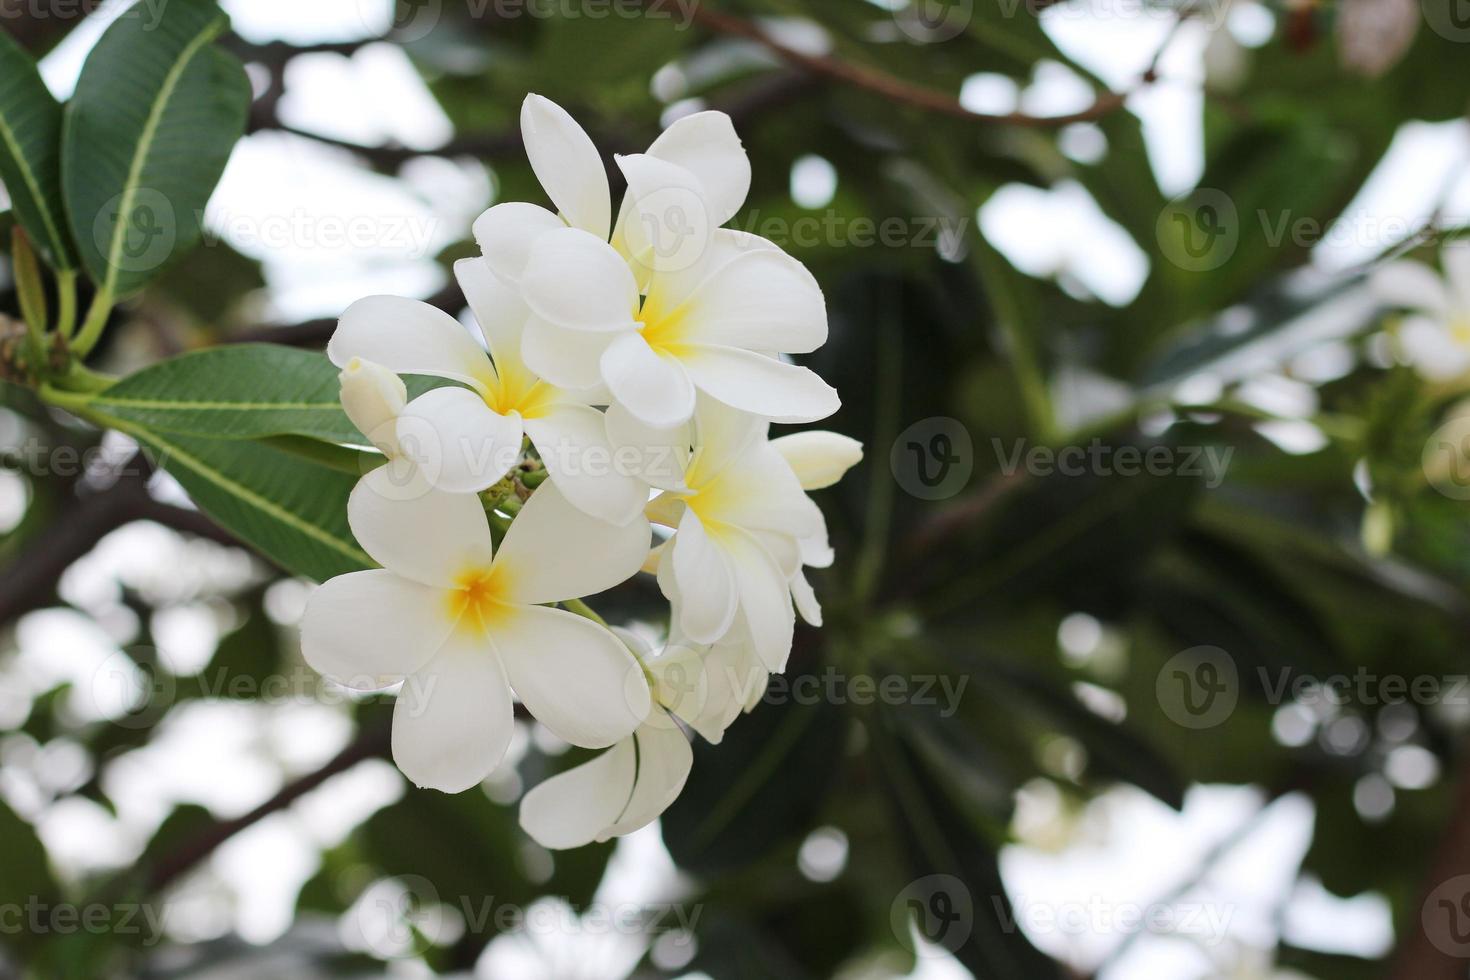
30	153
146	136
246	391
955	869
293	512
27	879
784	758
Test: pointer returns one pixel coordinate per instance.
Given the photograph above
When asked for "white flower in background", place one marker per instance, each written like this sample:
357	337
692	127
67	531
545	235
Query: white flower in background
464	439
1435	335
463	625
744	527
672	302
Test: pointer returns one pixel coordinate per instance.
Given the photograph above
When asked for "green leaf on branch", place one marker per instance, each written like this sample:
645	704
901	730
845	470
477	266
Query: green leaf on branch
247	391
156	112
293	512
30	154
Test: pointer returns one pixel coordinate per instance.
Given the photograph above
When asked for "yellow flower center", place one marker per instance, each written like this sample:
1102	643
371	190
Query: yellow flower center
1460	330
664	329
478	598
514	389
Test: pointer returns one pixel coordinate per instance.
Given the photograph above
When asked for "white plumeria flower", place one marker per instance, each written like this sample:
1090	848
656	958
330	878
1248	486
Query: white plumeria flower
672	302
465	439
1436	335
741	518
464	624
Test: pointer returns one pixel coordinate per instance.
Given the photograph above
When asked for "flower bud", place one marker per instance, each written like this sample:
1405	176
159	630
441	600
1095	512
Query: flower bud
819	458
373	397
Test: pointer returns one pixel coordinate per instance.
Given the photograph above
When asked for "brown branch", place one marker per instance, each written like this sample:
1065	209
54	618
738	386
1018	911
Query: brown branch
29	581
1419	956
897	90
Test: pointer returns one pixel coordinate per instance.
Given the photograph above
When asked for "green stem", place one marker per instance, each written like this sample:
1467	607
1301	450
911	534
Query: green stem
92	327
66	302
77	402
585	611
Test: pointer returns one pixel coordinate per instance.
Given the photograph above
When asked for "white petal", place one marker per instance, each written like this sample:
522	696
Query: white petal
762	300
568	165
680	684
408	337
553	551
783	548
653	386
367	630
572	674
454	717
705	144
706	581
506	232
458	442
1409	284
565	357
805	598
669	226
759	384
498	309
759	492
431	537
722	435
576	280
671	288
573	443
574	807
765	599
1432	350
818	458
664	760
373	397
658	457
1455	257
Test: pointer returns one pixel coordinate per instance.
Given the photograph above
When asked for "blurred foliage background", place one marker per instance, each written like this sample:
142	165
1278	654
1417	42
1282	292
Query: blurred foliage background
1052	276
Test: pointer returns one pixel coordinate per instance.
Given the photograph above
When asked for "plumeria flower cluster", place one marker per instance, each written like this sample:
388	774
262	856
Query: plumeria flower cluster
626	376
1434	335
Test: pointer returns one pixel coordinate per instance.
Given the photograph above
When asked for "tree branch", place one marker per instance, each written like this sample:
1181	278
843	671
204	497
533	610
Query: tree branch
897	90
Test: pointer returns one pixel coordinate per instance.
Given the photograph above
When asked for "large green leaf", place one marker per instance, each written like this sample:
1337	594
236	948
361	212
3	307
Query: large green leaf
30	153
247	391
292	511
27	880
146	136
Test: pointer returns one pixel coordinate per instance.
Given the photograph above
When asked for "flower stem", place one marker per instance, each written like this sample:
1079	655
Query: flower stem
66	302
92	327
